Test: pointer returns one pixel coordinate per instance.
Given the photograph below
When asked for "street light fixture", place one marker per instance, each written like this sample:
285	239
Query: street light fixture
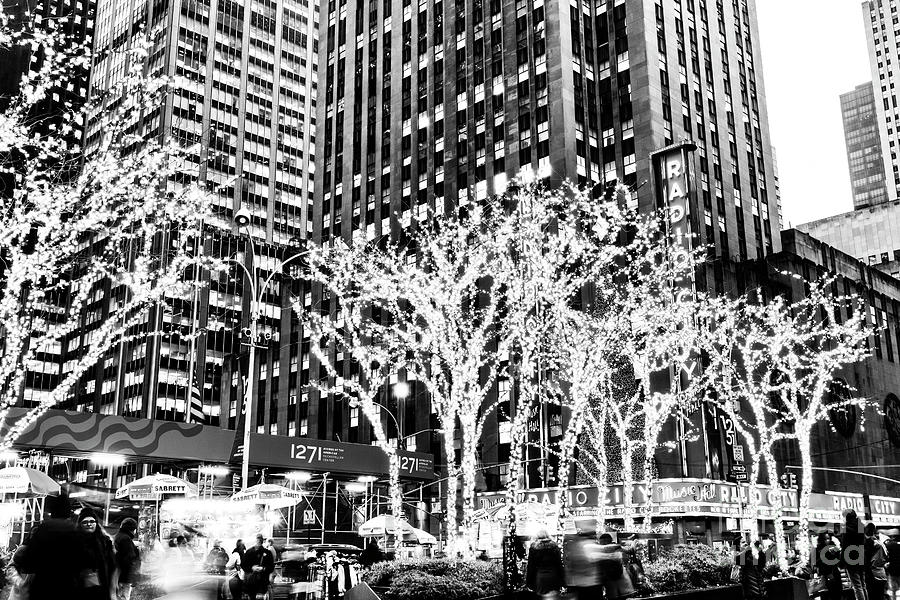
110	461
242	219
298	476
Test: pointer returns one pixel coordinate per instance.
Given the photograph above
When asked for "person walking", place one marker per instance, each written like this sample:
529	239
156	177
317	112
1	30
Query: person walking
612	569
582	576
544	571
98	575
234	571
752	563
258	563
216	559
128	559
53	555
892	568
827	582
875	557
853	543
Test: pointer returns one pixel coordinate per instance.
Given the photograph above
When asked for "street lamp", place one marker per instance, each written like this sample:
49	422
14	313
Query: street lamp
110	461
257	290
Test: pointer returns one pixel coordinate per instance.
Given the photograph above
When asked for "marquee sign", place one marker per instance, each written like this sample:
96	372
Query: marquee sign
671	497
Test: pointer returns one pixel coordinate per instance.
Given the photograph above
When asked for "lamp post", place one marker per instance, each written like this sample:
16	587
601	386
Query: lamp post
257	290
110	461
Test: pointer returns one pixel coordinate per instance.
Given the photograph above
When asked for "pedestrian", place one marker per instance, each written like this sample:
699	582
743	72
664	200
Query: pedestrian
875	559
853	543
53	554
371	555
270	546
892	568
258	563
98	575
752	563
216	559
827	581
234	570
611	565
544	571
582	576
128	558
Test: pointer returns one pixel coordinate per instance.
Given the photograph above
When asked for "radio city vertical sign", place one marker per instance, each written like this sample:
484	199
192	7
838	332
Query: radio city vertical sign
672	179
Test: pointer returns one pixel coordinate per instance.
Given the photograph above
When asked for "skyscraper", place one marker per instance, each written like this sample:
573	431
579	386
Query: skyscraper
864	157
883	38
429	104
243	95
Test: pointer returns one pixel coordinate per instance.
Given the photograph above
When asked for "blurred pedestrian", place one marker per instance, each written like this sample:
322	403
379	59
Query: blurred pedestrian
98	574
544	568
234	571
582	576
612	569
258	563
827	582
270	546
53	554
752	563
874	559
371	555
216	559
853	543
128	558
892	568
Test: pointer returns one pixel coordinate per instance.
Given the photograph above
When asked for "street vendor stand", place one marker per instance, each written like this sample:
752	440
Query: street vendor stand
29	488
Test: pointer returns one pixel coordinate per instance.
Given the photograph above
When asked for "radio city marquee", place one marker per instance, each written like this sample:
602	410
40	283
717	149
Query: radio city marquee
671	497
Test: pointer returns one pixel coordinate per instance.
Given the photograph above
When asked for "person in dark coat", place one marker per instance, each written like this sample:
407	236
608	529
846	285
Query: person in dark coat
828	576
258	564
875	559
128	558
544	572
98	577
752	561
611	563
371	555
853	543
53	554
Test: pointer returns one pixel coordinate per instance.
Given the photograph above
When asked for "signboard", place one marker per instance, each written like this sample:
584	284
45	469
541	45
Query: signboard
671	497
325	455
309	517
885	511
829	507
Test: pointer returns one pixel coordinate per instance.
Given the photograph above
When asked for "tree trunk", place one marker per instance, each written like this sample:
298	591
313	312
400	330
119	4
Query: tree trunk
803	545
602	480
468	466
567	450
517	437
780	539
754	504
450	496
627	481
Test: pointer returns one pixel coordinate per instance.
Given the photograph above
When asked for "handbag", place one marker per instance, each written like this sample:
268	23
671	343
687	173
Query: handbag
21	589
735	574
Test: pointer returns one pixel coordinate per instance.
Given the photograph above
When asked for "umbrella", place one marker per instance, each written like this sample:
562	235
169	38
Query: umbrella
419	536
27	482
269	494
383	525
154	487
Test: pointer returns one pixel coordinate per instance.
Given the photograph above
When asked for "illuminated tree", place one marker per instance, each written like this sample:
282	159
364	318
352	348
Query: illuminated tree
119	226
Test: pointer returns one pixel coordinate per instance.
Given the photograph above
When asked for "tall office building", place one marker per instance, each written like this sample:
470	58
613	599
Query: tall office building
863	140
243	94
883	38
429	104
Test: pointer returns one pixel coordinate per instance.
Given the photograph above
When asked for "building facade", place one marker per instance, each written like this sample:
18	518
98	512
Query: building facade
883	41
863	140
870	235
243	95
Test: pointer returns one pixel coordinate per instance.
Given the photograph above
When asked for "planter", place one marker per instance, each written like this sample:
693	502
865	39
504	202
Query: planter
728	592
787	588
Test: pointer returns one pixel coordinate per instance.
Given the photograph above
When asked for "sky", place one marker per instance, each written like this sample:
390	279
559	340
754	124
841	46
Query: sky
812	52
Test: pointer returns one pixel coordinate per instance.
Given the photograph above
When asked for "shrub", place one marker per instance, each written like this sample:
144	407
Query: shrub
435	579
687	568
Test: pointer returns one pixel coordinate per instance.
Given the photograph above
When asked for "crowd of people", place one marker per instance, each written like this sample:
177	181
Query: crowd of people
66	558
594	567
